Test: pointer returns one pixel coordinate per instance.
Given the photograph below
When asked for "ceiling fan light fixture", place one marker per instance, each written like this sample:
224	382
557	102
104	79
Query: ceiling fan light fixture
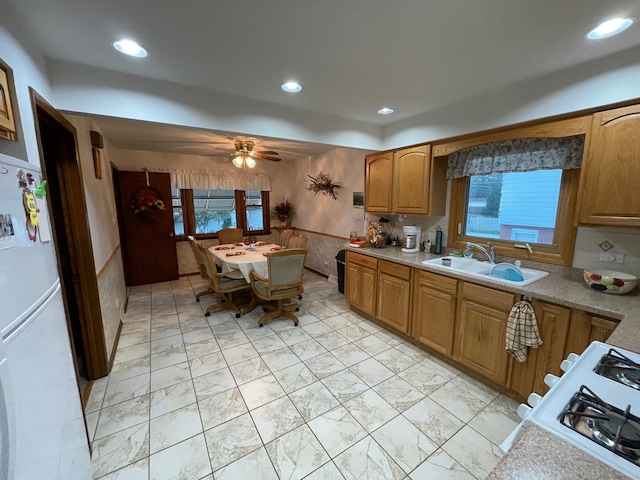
238	161
610	28
291	87
131	48
250	162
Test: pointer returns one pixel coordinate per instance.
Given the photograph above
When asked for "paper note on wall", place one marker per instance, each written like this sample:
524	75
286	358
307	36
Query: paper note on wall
44	228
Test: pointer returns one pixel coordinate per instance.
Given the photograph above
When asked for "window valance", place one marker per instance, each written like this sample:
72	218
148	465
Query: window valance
520	155
223	180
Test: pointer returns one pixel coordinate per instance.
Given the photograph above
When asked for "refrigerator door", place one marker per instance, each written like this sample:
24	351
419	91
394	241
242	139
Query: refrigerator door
50	433
28	269
7	431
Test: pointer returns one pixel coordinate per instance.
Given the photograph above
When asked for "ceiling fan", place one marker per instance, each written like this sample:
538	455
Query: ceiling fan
246	155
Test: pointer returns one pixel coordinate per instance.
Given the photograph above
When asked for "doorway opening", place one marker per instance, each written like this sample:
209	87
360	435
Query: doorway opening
67	210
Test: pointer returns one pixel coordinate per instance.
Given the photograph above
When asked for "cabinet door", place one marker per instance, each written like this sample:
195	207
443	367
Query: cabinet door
369	285
353	285
585	328
553	325
393	301
481	325
434	311
378	182
7	124
611	170
411	174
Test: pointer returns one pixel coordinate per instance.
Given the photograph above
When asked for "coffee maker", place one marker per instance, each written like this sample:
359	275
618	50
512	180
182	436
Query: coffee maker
411	240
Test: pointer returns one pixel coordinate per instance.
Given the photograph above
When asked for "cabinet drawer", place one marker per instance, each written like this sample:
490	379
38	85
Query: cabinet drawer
395	269
438	282
489	296
362	260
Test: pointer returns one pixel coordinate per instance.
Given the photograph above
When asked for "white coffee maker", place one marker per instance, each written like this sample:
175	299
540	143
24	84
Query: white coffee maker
411	240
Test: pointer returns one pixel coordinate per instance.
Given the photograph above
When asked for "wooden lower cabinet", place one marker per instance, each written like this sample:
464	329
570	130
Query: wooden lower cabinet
361	282
585	328
394	295
434	311
481	324
553	325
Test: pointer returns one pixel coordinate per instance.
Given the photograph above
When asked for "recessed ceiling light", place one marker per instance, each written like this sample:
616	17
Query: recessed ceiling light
386	111
610	28
131	48
291	87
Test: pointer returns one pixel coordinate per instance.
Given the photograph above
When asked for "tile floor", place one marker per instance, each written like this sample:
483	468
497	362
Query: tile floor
194	397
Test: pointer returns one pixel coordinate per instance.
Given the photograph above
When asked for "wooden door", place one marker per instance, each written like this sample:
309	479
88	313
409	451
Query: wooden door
411	172
393	301
7	123
434	311
149	248
481	327
553	325
611	170
378	182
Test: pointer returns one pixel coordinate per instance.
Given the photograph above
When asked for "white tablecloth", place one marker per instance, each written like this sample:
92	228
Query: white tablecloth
251	260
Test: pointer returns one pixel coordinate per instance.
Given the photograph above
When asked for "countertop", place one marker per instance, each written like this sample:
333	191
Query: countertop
538	454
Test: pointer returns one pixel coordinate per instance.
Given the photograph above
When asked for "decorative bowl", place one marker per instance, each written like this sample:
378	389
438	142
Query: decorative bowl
609	281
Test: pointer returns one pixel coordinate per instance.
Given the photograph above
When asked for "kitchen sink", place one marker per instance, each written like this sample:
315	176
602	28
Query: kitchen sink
476	268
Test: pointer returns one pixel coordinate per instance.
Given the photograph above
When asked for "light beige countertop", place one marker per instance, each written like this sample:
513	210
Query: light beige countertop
538	454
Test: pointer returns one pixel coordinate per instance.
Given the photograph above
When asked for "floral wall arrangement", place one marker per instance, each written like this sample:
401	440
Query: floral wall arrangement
283	212
146	203
322	183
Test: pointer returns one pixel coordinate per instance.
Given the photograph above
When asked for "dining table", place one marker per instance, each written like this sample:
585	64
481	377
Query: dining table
243	258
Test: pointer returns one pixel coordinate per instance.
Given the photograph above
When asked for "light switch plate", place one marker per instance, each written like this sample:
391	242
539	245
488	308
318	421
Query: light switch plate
612	257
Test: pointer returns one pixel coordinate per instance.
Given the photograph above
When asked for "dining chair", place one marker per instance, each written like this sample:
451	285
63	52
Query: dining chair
229	235
284	236
193	243
221	283
297	241
284	281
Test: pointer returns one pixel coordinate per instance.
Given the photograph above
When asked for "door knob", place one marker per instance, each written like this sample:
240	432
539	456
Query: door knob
172	234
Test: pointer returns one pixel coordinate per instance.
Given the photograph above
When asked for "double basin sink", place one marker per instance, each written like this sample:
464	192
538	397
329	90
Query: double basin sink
502	272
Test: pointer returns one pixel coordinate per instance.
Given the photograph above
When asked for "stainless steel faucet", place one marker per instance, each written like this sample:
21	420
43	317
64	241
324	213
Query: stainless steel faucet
491	253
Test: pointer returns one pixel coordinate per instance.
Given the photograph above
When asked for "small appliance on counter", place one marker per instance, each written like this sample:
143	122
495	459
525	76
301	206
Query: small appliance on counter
411	240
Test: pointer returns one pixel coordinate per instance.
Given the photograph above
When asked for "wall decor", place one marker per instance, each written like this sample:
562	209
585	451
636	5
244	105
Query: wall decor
322	184
96	145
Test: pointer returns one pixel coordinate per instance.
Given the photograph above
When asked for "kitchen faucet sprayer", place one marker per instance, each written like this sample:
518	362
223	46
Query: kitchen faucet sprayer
491	253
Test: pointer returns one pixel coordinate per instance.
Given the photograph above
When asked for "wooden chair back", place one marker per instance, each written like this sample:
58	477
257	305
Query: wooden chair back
297	241
193	243
229	235
284	237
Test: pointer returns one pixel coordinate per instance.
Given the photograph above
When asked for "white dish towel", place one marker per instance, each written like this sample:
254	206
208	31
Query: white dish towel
522	331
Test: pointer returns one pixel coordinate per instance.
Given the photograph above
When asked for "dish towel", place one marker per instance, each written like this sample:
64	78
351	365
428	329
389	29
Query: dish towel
522	331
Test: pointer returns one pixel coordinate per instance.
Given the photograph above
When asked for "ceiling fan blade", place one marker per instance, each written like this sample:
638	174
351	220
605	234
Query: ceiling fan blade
268	152
266	157
221	155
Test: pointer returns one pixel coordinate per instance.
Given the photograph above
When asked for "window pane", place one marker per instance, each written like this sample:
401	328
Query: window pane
520	206
214	210
176	203
255	218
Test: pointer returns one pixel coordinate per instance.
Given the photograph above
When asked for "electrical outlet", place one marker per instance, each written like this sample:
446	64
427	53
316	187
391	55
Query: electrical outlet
612	257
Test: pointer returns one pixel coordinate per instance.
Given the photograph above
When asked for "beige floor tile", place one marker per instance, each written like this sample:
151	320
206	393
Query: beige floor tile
473	451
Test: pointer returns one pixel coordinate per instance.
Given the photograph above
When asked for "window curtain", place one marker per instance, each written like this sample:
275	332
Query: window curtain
223	180
520	155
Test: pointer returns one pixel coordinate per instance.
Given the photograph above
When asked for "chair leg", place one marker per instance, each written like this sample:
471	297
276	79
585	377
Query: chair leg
208	291
255	301
279	310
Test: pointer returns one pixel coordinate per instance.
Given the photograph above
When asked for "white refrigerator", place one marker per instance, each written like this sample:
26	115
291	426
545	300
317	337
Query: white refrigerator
42	427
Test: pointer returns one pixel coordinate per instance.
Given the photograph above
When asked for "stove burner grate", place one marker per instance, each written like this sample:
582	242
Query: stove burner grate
621	369
614	429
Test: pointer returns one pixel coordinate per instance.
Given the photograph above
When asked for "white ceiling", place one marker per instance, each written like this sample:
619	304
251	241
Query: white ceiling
351	57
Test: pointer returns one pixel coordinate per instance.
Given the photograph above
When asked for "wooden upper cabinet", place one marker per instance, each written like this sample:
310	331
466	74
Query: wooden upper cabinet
411	175
407	181
7	122
611	170
378	182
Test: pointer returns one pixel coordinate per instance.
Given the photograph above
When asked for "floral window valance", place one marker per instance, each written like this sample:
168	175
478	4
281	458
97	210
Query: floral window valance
223	180
520	155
